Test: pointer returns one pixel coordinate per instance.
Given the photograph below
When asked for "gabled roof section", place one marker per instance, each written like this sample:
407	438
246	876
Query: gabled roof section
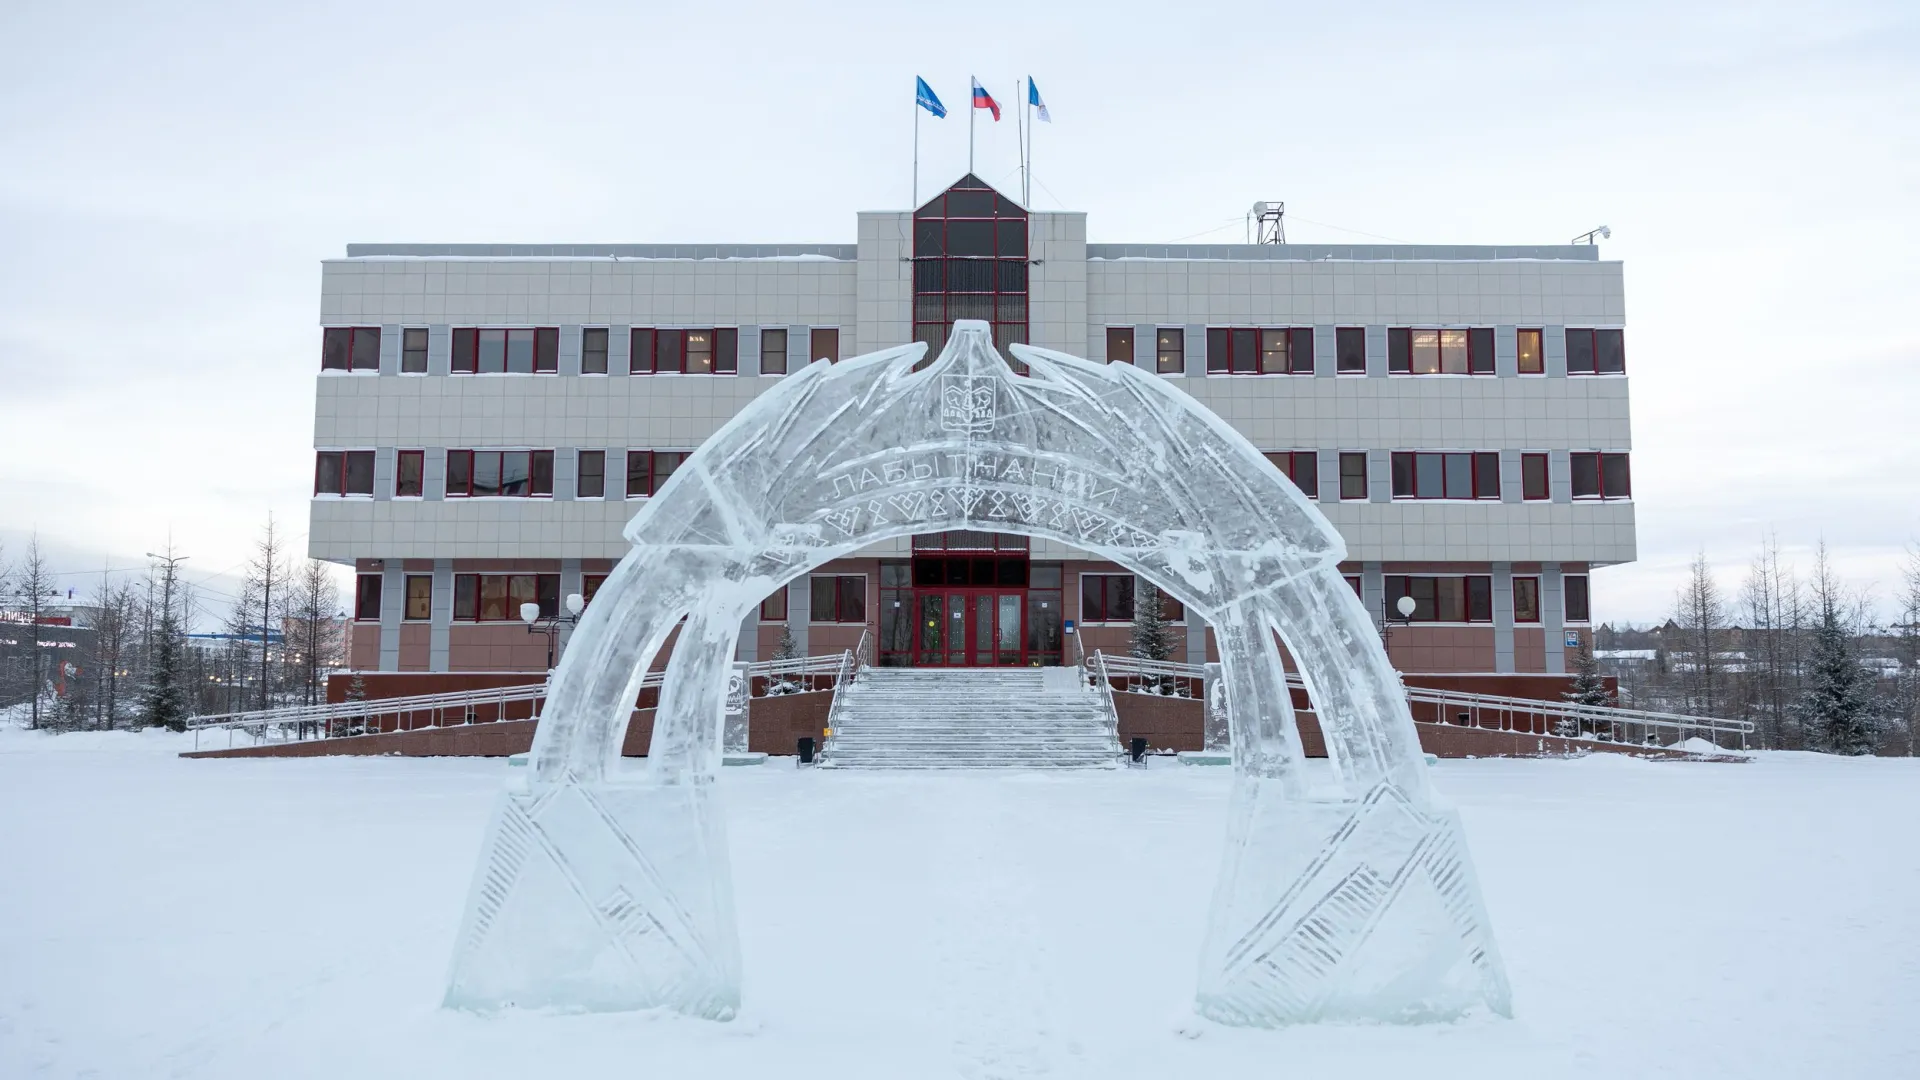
975	195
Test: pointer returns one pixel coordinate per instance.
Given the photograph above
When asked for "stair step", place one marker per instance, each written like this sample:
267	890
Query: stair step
971	718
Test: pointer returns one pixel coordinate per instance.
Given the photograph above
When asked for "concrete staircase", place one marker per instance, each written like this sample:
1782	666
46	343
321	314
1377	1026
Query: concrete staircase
972	718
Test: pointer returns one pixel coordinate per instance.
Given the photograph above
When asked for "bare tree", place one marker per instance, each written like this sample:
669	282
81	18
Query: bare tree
33	582
314	643
263	595
1701	614
1776	607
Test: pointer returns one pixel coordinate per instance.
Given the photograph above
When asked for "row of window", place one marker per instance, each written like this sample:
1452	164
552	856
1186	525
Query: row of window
476	597
1470	475
1468	598
1452	475
1288	350
536	350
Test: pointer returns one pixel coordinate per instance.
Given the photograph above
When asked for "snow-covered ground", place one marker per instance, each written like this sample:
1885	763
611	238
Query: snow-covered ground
250	919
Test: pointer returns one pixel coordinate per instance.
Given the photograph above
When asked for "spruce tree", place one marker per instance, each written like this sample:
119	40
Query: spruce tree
1589	686
166	704
1838	708
788	649
1150	640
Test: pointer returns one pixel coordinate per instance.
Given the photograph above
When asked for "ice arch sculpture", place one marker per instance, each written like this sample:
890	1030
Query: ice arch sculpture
1351	901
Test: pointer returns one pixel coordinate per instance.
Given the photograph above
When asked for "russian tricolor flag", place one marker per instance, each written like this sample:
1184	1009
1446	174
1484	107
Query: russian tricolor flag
984	100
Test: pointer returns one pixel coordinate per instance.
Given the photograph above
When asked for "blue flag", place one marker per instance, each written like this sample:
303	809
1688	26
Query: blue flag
1033	98
924	96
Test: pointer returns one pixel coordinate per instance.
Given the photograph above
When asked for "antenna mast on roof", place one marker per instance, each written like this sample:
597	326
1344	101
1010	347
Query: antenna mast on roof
1267	223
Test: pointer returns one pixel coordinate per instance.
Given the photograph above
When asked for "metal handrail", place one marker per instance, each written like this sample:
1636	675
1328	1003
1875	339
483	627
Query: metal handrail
1106	697
837	707
1502	709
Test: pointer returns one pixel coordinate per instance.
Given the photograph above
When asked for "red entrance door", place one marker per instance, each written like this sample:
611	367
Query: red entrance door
970	627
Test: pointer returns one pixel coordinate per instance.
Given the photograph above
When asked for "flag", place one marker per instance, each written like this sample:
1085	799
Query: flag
924	96
1033	99
984	100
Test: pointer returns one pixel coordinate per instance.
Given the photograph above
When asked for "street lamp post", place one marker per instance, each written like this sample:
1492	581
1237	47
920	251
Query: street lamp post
530	614
1406	606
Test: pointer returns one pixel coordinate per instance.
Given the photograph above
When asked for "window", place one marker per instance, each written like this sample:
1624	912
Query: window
1353	475
1595	352
1526	599
1574	587
840	598
1439	352
774	608
823	343
1238	351
1446	476
1302	467
969	540
1466	599
590	475
590	587
350	348
366	598
1353	582
773	352
1119	344
413	351
484	473
1533	478
689	352
493	351
1170	345
1532	357
1106	598
1350	350
593	350
648	470
419	597
1600	476
343	472
410	474
497	597
969	262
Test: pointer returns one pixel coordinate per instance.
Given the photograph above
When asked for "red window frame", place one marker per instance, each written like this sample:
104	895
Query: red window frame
1120	342
410	474
417	602
464	468
660	465
1580	585
1300	466
1605	349
497	597
464	352
1479	349
970	251
663	350
1344	337
366	598
1529	586
774	608
823	343
590	587
1483	475
1536	467
1354	583
1601	463
1469	595
339	466
1106	598
848	595
1240	350
1539	351
356	348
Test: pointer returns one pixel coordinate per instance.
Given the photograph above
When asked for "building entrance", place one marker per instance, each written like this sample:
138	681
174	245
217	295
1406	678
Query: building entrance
970	599
970	627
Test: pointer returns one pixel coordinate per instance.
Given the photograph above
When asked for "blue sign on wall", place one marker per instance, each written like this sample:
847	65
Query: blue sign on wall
1068	626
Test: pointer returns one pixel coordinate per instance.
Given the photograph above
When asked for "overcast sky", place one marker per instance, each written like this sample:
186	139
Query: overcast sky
171	176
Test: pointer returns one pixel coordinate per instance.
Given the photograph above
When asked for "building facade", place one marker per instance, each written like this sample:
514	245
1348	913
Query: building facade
488	418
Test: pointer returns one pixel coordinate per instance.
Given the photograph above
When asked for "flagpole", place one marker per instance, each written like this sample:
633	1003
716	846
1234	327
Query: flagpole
1020	145
915	204
1029	143
971	109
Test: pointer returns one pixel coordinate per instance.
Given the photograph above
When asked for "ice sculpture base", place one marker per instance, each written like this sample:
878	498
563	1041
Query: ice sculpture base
1340	909
602	898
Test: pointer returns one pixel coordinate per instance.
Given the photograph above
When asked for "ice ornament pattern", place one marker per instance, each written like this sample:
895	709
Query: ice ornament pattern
602	892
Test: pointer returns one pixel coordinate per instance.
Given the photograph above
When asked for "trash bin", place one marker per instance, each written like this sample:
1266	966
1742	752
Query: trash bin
806	750
1137	750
